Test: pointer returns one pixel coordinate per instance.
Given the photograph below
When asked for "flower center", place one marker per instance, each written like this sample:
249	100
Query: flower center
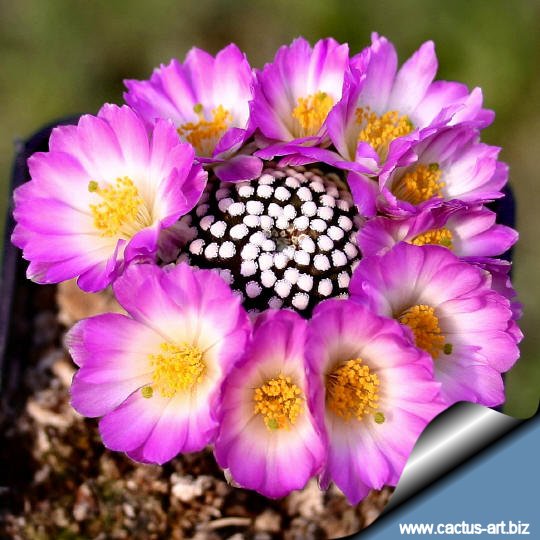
439	237
279	401
204	134
311	112
420	184
380	131
353	391
122	211
176	368
286	239
423	322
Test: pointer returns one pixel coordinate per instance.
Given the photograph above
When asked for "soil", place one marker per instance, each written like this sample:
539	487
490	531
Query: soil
58	481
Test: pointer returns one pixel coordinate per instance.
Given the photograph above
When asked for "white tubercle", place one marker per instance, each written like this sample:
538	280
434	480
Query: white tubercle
227	250
236	209
268	278
225	203
196	247
318	225
253	289
206	221
257	238
265	191
300	300
255	207
289	212
218	229
292	182
275	302
267	179
266	222
248	268
345	223
317	186
351	250
301	257
291	275
343	205
274	210
268	245
222	193
211	251
335	233
280	260
249	252
325	212
282	223
201	210
239	231
266	260
332	190
245	190
325	287
282	193
343	280
309	208
327	200
301	223
252	221
305	282
339	258
226	274
307	244
283	288
321	262
304	194
325	243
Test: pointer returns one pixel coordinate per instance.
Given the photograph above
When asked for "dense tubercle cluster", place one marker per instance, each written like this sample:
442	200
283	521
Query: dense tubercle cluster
307	257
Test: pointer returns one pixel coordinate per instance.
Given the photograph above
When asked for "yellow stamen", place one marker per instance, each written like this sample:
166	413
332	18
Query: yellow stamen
122	211
310	113
279	401
353	391
204	134
438	237
176	368
380	131
420	184
423	322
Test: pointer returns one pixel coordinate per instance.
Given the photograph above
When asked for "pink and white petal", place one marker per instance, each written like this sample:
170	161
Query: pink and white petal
239	168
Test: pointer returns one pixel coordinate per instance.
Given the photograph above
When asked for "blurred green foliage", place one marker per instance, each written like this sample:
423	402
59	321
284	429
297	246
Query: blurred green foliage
59	57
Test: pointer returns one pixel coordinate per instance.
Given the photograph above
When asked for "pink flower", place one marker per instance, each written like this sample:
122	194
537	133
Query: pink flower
267	439
99	198
155	375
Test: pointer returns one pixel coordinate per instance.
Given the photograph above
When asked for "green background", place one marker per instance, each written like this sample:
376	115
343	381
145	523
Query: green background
59	57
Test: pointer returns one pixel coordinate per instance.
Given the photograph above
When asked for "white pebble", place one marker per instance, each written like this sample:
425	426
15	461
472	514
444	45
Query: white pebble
291	275
275	302
274	210
255	207
300	300
325	287
343	280
245	190
339	258
268	278
206	221
335	233
283	288
265	261
280	260
267	179
225	203
307	244
268	245
253	289
289	212
301	257
249	252
236	209
325	243
264	191
345	223
227	250
218	229
282	193
211	251
266	222
326	200
318	225
239	231
309	209
304	194
301	223
201	210
252	221
326	213
196	247
292	182
351	250
248	268
321	262
305	282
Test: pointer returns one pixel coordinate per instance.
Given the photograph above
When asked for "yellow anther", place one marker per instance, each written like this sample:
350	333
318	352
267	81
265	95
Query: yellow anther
122	211
147	392
205	134
279	401
439	237
420	184
423	322
311	112
379	418
380	131
177	368
352	390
